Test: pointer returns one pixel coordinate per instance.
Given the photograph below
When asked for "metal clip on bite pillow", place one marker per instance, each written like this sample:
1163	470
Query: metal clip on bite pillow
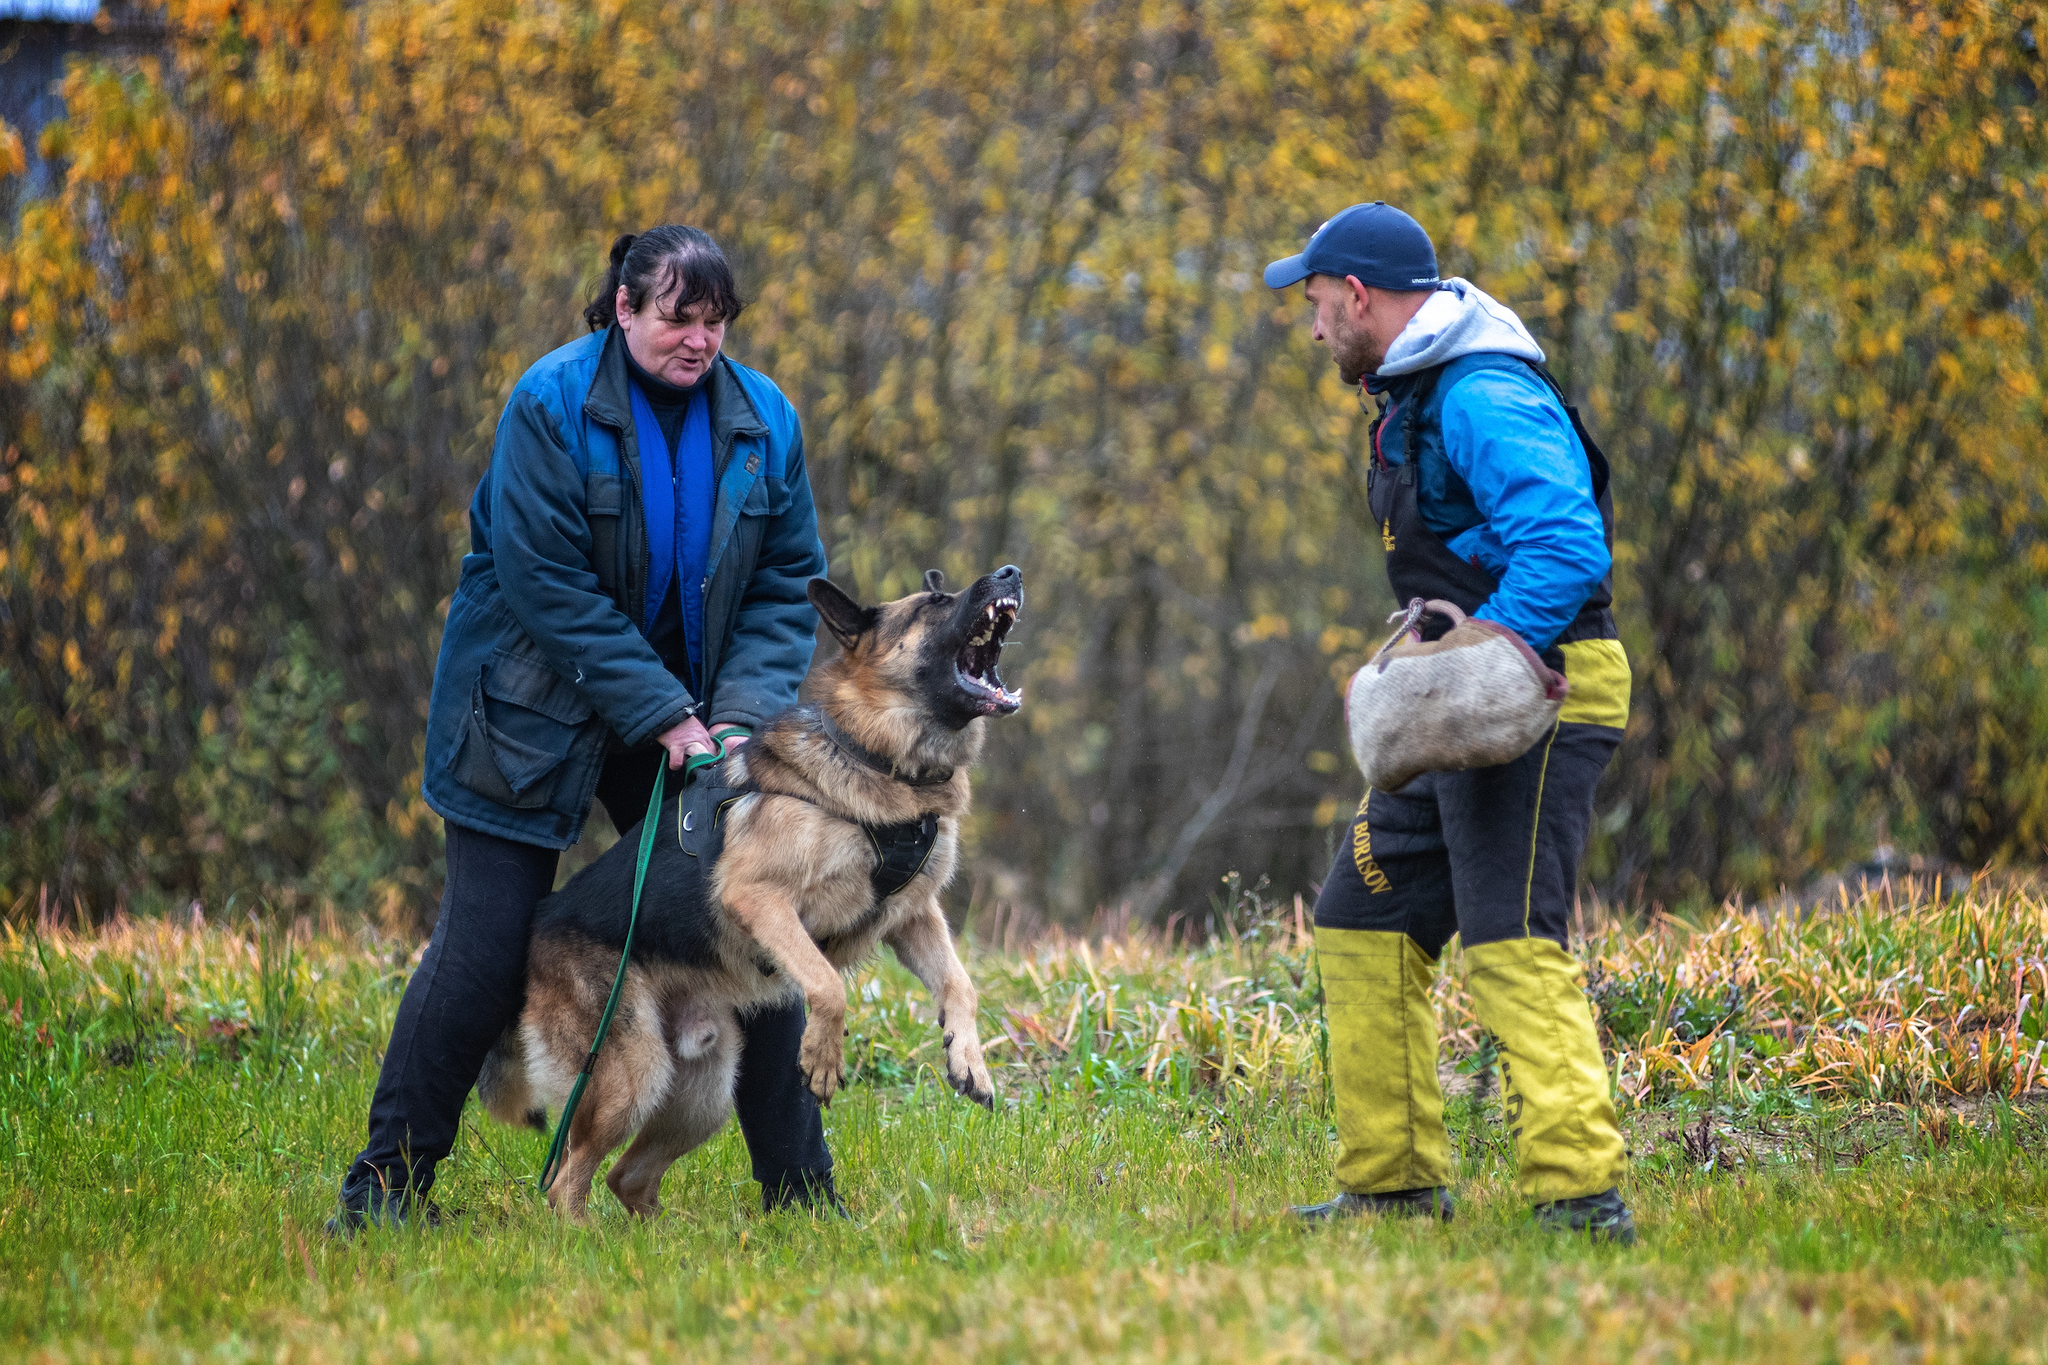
1474	698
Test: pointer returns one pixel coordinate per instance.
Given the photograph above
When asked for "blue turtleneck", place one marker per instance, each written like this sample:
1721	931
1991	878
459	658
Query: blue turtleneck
672	427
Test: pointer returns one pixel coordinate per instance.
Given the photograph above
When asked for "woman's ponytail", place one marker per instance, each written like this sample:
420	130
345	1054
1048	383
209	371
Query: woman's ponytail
603	310
681	266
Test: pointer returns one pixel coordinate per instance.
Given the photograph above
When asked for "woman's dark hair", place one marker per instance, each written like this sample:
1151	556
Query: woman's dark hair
678	267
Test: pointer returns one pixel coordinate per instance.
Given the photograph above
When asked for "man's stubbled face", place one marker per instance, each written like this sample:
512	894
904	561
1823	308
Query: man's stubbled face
1340	325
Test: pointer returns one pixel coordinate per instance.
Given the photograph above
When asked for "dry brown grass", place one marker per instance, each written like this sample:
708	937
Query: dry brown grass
1896	995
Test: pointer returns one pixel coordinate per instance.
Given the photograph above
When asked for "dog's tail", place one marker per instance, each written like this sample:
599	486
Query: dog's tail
504	1086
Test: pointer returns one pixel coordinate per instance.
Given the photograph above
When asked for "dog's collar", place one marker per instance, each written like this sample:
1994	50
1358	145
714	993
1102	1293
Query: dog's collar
854	749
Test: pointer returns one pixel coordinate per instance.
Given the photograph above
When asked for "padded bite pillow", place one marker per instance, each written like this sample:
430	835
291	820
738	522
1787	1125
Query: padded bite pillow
1477	697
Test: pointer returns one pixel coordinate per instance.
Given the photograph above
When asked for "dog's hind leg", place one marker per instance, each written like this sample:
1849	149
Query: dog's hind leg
603	1121
633	1070
698	1102
677	1128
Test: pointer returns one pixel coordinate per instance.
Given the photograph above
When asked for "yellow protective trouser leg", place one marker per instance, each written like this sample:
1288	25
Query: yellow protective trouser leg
1390	1110
1530	995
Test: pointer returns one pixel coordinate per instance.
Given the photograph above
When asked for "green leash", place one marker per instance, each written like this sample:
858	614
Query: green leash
560	1145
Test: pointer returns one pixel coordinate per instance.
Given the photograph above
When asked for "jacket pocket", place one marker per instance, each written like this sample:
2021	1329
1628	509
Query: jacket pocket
604	505
523	718
768	497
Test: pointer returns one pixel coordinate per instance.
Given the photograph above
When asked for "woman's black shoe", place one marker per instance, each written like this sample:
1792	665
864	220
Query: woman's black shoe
803	1190
366	1204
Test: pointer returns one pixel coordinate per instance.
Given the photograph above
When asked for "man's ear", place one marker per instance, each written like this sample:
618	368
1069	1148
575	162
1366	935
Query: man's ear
847	619
1360	297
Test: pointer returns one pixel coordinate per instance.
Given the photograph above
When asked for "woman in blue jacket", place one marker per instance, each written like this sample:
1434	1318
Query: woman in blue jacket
639	553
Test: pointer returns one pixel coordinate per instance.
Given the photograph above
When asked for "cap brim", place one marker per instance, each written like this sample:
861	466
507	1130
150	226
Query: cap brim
1289	271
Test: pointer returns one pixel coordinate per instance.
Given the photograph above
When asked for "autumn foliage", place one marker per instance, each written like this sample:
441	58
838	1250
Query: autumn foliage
1788	257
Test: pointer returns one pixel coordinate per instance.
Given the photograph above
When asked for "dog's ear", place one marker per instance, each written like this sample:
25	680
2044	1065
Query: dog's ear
934	581
847	619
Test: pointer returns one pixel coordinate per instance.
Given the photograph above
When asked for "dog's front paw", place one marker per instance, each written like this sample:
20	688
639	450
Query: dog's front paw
822	1058
966	1072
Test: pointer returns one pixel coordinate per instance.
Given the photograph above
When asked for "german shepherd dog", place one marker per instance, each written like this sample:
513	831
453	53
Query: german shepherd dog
834	830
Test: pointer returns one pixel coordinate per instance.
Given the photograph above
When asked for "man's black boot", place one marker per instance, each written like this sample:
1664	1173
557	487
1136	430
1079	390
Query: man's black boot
810	1190
368	1203
1431	1202
1601	1217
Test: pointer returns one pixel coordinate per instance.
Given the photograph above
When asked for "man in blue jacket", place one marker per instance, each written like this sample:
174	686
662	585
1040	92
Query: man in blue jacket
1486	493
640	553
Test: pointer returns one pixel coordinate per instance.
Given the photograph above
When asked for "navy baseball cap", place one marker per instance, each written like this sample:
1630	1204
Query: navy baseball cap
1378	243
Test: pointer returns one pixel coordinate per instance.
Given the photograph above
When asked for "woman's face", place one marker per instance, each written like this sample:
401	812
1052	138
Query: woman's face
675	348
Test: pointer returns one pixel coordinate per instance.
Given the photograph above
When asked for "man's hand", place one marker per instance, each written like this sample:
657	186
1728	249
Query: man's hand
685	742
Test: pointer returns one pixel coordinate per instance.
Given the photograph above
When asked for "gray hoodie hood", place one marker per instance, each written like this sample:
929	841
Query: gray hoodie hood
1458	320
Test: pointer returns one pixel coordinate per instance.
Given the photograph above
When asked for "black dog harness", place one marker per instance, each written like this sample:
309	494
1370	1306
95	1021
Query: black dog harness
901	850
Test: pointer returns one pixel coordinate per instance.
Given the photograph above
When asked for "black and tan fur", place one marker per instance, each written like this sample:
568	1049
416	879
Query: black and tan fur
792	902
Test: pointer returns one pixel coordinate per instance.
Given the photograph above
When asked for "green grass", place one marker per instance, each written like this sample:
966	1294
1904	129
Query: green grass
176	1105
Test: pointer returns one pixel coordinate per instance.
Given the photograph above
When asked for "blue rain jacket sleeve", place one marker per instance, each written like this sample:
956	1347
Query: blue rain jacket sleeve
1508	438
540	544
774	628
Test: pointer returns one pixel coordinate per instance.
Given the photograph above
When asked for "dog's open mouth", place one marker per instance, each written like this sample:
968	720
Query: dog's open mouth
975	665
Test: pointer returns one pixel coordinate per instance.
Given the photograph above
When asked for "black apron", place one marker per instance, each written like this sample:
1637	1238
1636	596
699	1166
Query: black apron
1419	564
